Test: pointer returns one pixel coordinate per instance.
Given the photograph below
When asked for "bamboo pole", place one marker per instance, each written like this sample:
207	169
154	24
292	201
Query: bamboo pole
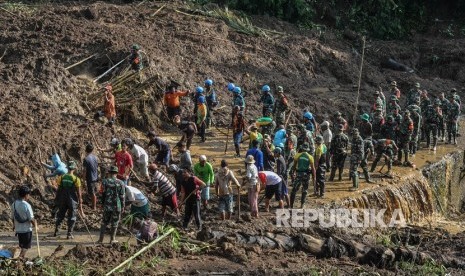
359	82
140	251
109	70
79	62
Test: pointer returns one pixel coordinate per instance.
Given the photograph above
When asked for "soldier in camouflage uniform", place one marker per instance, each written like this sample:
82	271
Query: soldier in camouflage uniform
393	104
452	119
356	156
305	136
338	151
267	100
290	147
442	125
414	95
269	128
339	120
280	107
390	129
377	123
386	148
378	104
302	167
405	136
432	121
415	114
457	99
368	150
424	104
365	127
320	166
113	203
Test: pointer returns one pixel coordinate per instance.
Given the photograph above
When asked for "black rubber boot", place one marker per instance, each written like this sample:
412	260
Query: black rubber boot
367	176
71	224
340	174
102	233
333	173
238	153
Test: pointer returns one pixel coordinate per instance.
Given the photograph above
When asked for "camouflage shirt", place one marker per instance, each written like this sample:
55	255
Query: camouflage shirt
406	127
357	146
113	195
267	100
281	104
454	111
339	143
433	115
368	147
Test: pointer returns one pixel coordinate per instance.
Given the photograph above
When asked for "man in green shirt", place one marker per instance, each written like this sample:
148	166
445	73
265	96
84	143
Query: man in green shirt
204	171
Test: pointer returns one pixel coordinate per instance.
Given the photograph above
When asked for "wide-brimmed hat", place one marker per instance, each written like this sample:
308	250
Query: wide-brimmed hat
249	159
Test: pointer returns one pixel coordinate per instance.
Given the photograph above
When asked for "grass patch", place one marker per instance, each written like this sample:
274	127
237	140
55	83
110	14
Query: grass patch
427	269
63	269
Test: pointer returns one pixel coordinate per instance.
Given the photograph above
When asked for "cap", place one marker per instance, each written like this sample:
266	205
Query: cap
376	93
304	147
71	165
417	85
280	89
203	158
393	83
249	159
319	139
113	169
365	117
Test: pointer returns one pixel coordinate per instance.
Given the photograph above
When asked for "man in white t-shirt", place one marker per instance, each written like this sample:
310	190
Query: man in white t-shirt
140	159
273	185
23	219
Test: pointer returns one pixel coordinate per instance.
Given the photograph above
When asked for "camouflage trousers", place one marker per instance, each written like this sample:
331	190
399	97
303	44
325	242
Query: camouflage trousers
338	159
111	217
355	160
452	127
303	179
431	130
280	118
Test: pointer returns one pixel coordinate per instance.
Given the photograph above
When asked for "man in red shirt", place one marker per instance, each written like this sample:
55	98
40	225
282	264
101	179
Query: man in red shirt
173	105
124	163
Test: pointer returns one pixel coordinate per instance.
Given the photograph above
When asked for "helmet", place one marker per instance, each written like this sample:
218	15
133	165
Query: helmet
201	99
290	129
202	158
237	90
199	89
337	114
355	131
113	169
300	126
114	141
308	115
209	82
417	85
71	165
278	150
376	93
324	124
231	86
266	88
153	167
319	139
437	102
280	89
453	90
406	113
365	117
393	83
135	47
89	147
173	168
390	118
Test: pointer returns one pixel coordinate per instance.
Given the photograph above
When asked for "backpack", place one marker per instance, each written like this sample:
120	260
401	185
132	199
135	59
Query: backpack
18	218
212	99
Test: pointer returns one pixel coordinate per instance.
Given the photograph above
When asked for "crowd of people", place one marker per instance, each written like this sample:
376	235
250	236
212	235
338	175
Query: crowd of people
277	153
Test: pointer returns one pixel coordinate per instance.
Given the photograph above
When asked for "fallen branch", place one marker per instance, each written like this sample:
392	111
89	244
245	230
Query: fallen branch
8	12
4	53
155	13
141	251
79	62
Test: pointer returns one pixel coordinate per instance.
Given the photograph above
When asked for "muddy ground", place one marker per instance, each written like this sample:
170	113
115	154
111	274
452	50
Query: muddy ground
44	105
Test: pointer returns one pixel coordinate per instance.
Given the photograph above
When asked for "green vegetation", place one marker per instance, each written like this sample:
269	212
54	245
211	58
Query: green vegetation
427	269
64	268
383	19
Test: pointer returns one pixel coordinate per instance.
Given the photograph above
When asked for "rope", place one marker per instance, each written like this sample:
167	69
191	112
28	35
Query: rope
359	82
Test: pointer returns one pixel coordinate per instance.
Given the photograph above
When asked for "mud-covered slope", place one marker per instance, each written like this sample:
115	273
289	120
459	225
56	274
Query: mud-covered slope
43	103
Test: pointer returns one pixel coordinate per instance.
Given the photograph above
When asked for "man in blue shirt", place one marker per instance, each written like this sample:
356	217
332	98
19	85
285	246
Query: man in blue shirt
257	154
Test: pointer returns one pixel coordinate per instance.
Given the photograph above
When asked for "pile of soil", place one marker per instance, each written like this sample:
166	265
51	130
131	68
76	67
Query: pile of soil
44	105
